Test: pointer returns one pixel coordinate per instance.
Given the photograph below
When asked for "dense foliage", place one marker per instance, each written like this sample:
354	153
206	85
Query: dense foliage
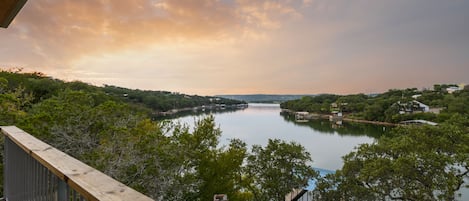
278	168
165	100
43	87
417	163
107	130
386	107
414	162
174	162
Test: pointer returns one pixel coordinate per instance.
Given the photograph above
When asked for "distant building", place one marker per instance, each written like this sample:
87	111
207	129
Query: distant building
220	197
412	107
423	107
338	107
301	116
452	89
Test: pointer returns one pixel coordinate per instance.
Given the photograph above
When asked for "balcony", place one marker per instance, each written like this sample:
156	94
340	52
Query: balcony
34	170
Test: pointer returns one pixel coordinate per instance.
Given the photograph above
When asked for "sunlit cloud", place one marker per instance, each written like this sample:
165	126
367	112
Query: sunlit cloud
243	46
68	29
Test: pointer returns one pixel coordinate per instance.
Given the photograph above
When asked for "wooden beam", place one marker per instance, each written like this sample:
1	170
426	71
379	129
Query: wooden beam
92	184
8	11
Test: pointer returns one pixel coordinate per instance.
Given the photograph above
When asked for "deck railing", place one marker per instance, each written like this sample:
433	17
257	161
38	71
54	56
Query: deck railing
34	170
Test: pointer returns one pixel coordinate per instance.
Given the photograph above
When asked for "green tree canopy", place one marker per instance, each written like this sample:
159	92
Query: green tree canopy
417	163
275	170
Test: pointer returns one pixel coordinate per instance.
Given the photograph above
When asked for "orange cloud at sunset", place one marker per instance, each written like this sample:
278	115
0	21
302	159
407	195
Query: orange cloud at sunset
243	46
83	27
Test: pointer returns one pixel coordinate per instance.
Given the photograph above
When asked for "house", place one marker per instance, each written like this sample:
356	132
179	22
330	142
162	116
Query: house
338	107
301	116
412	107
423	107
416	96
451	90
8	11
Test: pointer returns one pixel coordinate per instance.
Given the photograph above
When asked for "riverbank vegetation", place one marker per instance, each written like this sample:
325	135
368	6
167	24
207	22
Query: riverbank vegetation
393	106
412	162
415	163
170	161
164	160
42	87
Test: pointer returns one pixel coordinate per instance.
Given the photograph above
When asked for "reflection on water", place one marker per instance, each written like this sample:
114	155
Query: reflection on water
260	122
346	128
325	141
198	112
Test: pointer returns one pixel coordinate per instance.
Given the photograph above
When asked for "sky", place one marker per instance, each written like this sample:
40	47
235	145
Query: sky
212	47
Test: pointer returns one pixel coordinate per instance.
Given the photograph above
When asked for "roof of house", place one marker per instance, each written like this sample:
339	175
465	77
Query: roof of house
8	11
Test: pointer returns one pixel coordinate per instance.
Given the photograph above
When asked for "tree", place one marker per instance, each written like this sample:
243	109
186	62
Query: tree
418	163
221	173
277	169
12	106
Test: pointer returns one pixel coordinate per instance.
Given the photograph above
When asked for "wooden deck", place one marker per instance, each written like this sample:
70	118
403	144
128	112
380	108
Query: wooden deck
89	182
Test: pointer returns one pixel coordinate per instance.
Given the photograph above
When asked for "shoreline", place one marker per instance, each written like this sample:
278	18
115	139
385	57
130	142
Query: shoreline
312	116
200	108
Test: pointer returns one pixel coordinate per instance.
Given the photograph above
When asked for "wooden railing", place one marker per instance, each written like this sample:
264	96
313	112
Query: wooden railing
34	170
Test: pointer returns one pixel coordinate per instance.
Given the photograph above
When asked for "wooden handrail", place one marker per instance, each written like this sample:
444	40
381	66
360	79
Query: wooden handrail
89	182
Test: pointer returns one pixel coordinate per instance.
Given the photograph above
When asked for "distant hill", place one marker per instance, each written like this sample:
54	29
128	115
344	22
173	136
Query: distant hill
265	98
43	87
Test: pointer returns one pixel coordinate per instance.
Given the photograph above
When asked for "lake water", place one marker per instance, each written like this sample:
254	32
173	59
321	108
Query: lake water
326	142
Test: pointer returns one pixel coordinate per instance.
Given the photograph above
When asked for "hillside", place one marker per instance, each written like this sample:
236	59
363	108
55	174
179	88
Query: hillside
264	98
110	129
42	87
393	106
169	161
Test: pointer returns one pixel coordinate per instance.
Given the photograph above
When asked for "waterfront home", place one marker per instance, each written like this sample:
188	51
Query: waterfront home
451	90
412	107
336	116
301	116
422	107
338	107
416	96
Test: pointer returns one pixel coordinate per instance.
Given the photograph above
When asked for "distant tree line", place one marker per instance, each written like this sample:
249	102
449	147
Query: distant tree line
413	162
174	162
385	107
43	87
165	100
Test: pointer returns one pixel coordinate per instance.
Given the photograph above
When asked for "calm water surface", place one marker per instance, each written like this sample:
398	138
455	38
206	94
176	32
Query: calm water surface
326	142
259	122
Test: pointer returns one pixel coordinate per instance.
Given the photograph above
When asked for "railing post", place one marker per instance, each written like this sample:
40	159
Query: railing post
62	191
34	171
